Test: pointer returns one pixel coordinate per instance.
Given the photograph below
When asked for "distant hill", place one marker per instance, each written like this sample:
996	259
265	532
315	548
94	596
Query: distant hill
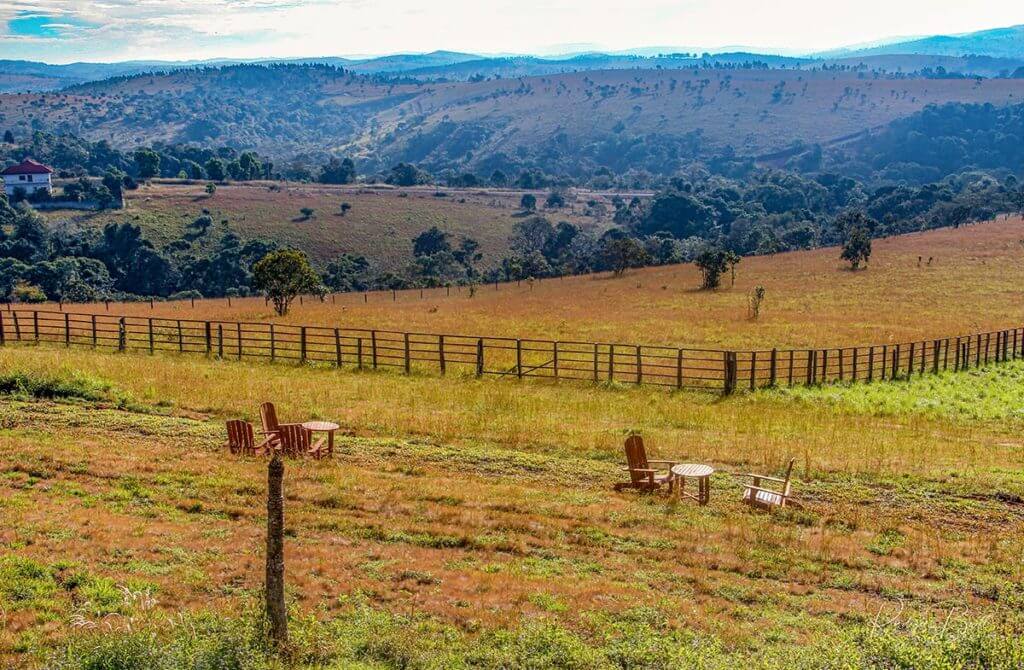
997	43
657	120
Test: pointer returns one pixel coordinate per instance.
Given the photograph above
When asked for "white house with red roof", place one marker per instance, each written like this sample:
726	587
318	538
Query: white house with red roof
28	175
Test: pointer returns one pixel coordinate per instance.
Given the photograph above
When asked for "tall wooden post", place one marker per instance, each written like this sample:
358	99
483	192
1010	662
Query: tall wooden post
122	335
277	614
480	357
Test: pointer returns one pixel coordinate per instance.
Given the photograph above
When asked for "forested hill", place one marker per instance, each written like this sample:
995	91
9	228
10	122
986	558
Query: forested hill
654	121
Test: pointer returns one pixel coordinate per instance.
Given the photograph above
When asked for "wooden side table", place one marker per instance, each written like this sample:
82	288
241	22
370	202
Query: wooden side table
324	427
702	473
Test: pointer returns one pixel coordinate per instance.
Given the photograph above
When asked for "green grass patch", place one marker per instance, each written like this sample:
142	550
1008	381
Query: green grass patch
990	393
62	385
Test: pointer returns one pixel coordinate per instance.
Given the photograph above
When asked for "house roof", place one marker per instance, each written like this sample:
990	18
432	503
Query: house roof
27	166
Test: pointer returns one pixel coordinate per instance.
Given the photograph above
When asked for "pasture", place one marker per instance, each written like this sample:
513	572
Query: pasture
380	225
971	284
471	522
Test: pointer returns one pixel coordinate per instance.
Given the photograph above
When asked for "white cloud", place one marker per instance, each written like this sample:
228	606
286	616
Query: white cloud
188	29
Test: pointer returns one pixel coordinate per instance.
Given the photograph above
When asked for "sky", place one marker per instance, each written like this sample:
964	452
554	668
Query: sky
61	31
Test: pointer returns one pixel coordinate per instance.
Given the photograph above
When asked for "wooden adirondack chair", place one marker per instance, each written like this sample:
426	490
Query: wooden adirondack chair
242	439
756	495
641	475
298	441
268	417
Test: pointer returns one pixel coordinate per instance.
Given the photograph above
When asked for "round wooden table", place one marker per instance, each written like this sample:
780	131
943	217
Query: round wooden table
702	473
323	427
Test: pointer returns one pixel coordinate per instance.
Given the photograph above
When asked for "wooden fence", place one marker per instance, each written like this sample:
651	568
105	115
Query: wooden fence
358	348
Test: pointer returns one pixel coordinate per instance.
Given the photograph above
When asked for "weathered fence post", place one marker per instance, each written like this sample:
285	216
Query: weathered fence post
729	373
480	357
337	344
753	369
792	355
611	362
122	334
302	344
853	371
871	364
67	330
220	340
181	338
373	348
3	335
639	366
842	366
811	364
277	613
956	357
273	344
238	334
149	329
35	325
405	344
936	346
885	359
596	361
209	338
440	353
554	357
679	368
519	358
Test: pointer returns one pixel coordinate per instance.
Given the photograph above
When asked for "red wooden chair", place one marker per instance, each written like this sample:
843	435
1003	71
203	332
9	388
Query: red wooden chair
268	417
242	439
298	441
641	475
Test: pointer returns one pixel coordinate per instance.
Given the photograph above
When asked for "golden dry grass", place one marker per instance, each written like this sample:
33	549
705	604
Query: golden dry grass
381	224
972	284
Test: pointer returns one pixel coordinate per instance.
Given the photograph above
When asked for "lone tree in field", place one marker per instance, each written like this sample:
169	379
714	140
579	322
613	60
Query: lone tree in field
713	262
857	248
623	253
284	275
528	202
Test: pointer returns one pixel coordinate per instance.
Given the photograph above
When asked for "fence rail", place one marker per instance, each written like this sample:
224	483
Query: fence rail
718	370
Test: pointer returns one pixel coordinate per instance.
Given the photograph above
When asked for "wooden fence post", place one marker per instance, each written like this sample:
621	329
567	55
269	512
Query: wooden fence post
885	359
181	338
440	354
936	346
554	357
639	366
273	344
772	367
853	371
373	348
910	360
729	373
277	612
238	334
480	357
596	360
3	335
792	355
67	330
611	362
679	368
810	367
871	364
842	363
209	338
894	369
359	353
824	366
302	344
220	340
149	328
977	353
122	335
519	358
956	357
405	341
337	343
35	325
753	369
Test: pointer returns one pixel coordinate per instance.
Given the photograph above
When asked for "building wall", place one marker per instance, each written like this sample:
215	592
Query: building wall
30	182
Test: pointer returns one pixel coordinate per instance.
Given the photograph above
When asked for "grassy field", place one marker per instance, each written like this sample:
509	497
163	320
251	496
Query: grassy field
471	523
380	225
918	286
480	513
